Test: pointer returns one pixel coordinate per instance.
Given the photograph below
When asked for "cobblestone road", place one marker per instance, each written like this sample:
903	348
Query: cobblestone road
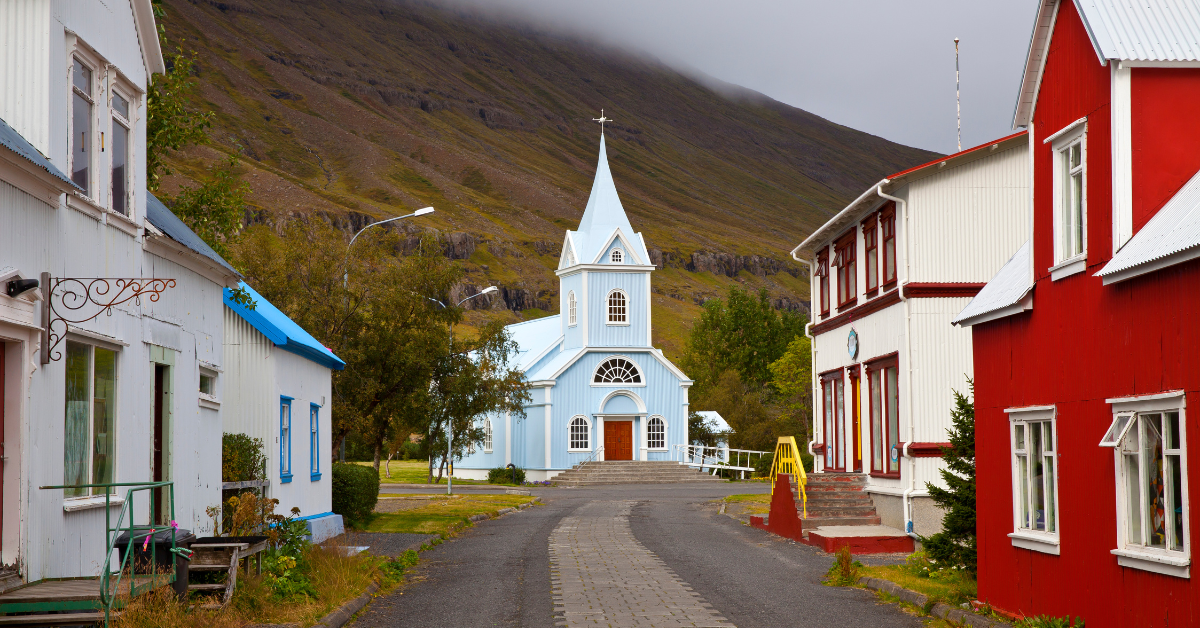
602	576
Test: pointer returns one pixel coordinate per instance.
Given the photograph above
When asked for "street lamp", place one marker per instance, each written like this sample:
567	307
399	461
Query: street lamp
346	265
450	423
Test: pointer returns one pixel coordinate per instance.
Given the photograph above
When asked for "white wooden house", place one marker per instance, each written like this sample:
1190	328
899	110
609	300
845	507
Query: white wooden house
888	274
91	393
278	389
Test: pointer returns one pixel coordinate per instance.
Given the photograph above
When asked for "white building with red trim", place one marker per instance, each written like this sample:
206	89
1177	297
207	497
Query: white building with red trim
888	274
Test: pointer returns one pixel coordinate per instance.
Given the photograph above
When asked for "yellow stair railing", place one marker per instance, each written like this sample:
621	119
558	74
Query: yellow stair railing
787	460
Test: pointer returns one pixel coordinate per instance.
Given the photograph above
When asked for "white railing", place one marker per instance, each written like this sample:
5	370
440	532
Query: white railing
717	458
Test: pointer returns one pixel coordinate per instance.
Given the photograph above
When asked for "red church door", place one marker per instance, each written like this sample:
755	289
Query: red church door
618	440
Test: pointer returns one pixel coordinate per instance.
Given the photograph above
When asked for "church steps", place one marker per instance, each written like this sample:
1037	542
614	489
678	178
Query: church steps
631	472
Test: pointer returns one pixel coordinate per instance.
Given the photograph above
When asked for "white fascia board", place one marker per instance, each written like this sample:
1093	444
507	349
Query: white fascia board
1035	62
147	31
546	351
567	247
629	247
839	222
608	268
1024	305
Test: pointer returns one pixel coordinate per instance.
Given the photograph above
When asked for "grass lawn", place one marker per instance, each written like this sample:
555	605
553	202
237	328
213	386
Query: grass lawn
751	504
441	516
411	472
950	588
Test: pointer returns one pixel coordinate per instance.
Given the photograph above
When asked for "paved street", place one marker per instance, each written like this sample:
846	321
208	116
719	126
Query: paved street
626	556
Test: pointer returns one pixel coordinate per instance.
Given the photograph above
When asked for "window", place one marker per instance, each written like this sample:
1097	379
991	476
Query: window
580	434
314	441
208	385
1035	477
884	392
847	271
656	433
1070	208
120	154
833	410
887	225
617	371
617	256
617	308
871	245
91	404
571	308
822	273
285	439
81	125
1151	496
487	436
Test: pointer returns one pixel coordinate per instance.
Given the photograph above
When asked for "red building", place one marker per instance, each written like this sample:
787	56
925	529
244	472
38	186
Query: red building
1087	343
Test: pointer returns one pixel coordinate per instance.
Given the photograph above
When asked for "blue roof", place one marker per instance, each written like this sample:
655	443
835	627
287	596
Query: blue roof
13	141
281	330
167	222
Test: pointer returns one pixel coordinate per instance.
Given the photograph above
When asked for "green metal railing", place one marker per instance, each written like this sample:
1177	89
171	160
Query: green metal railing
111	579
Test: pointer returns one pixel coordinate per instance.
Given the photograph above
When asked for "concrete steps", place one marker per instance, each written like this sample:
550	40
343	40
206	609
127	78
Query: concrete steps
838	499
630	472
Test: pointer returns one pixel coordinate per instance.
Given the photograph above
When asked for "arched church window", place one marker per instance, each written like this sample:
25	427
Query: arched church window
618	310
571	307
580	434
487	435
617	371
656	433
617	255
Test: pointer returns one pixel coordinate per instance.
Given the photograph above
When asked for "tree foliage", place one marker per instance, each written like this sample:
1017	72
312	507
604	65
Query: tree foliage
214	209
956	543
170	124
731	354
404	373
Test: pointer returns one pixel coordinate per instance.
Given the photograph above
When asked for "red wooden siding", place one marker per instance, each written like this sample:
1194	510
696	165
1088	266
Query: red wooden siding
1074	85
1084	342
1165	124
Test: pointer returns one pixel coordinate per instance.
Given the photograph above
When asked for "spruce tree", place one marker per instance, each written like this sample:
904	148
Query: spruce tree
955	545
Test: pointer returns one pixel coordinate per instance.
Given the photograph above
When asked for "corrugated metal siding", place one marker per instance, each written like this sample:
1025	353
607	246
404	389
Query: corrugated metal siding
1153	30
249	400
25	69
941	362
967	221
601	334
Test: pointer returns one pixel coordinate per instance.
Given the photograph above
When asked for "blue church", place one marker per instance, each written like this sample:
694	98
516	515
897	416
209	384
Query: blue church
599	388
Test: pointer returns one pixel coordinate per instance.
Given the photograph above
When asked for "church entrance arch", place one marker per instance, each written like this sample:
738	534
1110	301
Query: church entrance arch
618	412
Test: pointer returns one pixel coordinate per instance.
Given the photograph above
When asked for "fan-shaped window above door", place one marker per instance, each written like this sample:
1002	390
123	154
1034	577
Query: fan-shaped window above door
617	371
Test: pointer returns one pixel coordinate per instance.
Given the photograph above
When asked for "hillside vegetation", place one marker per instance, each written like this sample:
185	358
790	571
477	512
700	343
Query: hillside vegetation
357	110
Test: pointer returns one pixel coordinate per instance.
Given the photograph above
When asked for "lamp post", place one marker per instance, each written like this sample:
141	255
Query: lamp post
346	264
449	422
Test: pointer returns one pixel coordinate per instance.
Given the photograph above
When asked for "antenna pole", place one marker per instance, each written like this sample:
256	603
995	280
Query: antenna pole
957	96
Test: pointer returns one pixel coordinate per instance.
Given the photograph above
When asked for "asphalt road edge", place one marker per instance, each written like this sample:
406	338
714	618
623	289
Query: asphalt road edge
342	614
943	611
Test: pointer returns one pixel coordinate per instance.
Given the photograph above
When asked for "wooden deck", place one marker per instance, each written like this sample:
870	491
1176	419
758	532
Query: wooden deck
78	593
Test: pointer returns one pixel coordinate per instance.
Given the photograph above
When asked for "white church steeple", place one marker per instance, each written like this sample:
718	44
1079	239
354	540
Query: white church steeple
603	220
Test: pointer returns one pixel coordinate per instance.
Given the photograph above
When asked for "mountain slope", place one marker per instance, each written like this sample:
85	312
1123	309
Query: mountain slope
363	109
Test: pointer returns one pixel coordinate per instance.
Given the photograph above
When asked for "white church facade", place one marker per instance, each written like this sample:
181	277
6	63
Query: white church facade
599	388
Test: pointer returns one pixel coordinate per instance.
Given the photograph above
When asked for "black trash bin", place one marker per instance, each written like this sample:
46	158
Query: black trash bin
159	548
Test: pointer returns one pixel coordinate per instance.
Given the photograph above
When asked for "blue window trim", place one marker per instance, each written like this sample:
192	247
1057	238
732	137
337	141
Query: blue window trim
314	449
285	441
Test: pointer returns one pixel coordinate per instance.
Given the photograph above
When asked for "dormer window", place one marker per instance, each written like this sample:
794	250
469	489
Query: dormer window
617	256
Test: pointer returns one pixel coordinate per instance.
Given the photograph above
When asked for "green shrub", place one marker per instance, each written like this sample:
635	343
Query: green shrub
504	475
844	570
762	468
242	458
355	491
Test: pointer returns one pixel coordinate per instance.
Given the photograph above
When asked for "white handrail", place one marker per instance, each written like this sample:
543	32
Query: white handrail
717	458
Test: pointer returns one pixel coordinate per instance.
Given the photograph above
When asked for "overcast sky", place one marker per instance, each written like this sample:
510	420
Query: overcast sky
881	66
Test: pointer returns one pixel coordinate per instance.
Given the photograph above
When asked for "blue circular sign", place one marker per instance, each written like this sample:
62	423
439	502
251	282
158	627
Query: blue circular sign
852	344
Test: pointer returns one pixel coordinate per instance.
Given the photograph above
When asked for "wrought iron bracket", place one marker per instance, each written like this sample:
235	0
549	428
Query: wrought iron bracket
71	301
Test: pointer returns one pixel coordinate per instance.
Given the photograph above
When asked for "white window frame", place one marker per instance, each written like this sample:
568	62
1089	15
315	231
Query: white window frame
570	439
206	400
94	497
1137	556
640	371
572	318
650	447
1029	538
117	88
1066	264
617	256
608	314
95	64
487	436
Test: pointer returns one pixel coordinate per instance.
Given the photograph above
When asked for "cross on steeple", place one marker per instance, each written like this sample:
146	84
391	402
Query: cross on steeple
601	120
